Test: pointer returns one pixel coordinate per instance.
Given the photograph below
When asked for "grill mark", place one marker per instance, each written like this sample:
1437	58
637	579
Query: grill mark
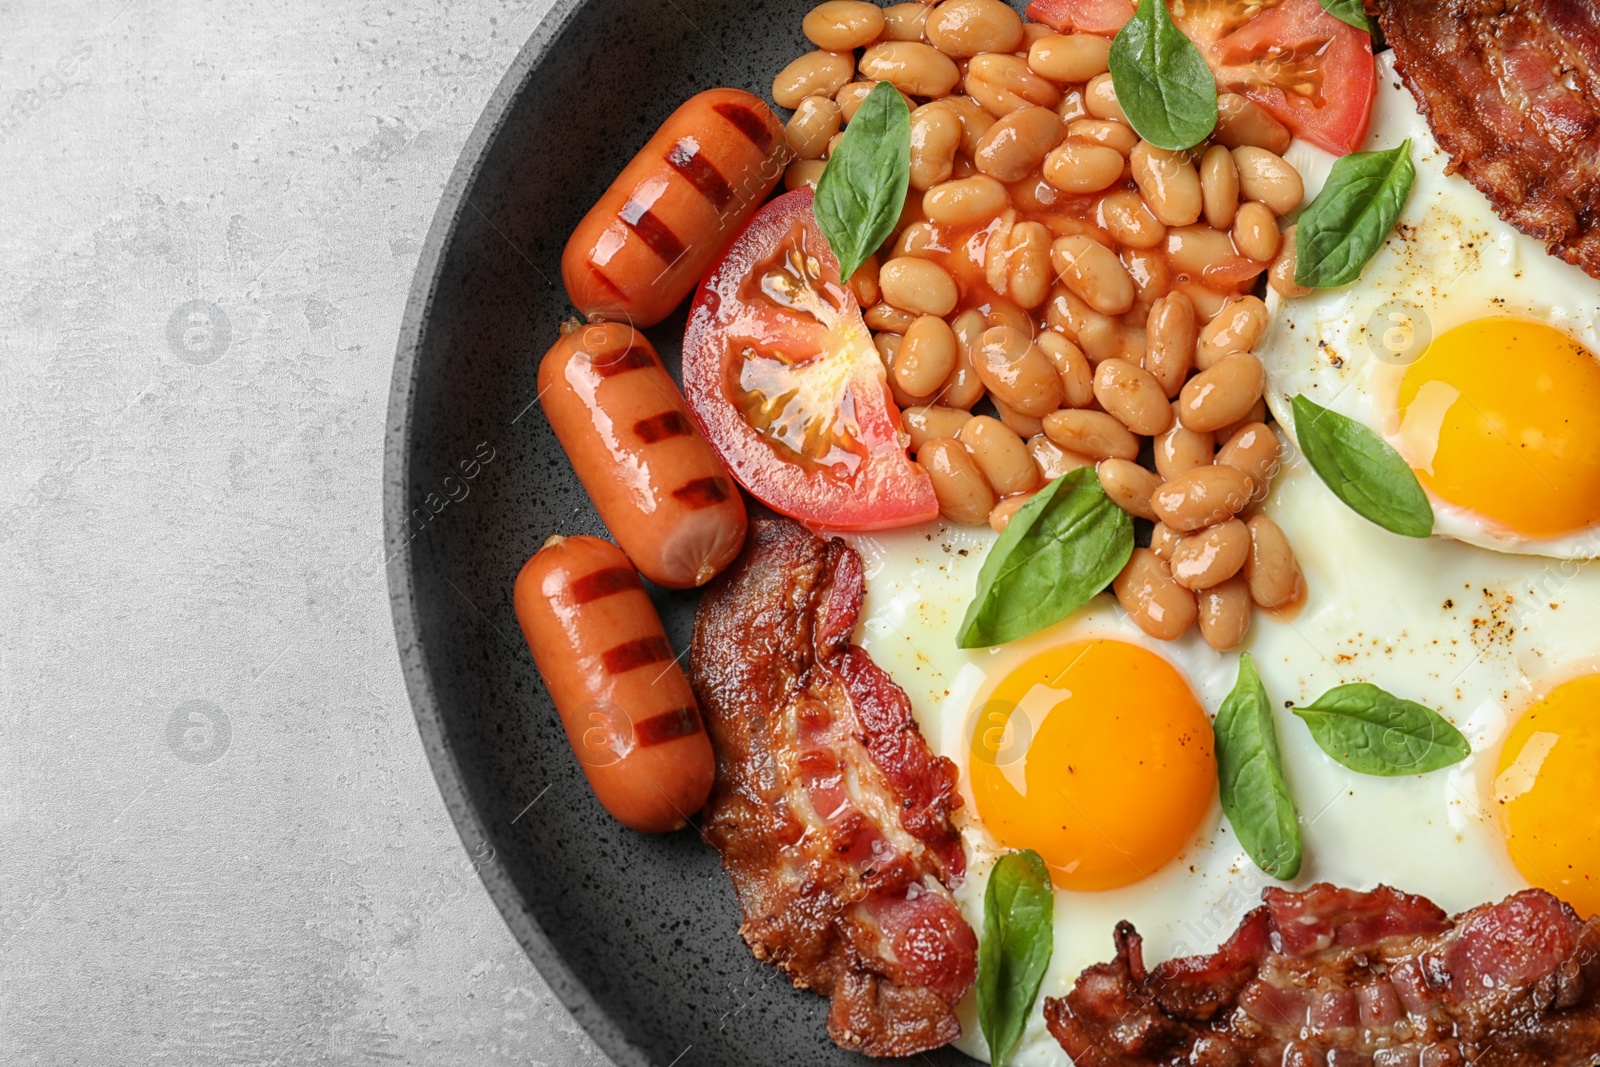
703	492
635	358
611	286
660	427
686	158
632	655
668	726
747	122
652	231
605	583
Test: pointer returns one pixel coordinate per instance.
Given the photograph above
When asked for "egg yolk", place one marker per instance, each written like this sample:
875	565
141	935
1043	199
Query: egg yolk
1502	412
1547	793
1097	756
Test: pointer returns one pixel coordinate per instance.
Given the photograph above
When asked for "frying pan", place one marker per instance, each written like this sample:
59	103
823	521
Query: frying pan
636	934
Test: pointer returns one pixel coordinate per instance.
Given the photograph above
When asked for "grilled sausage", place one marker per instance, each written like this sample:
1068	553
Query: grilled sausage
639	251
626	705
655	480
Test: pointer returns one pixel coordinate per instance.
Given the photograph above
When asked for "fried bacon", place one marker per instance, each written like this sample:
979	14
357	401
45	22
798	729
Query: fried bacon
831	814
1339	978
1511	90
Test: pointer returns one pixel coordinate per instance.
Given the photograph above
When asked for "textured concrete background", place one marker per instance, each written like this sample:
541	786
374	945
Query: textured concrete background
220	842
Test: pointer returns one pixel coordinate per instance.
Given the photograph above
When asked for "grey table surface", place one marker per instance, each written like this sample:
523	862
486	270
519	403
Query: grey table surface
220	842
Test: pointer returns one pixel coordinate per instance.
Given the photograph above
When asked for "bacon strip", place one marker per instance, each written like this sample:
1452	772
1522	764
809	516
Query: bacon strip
831	814
1342	978
1511	90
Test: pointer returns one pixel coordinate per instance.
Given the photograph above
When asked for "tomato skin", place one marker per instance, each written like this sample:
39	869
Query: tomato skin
1104	17
867	483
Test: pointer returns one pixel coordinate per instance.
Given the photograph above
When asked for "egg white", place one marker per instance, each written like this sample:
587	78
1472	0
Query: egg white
1450	260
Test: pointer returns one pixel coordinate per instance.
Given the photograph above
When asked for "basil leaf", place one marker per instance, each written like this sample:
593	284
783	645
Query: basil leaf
863	189
1350	219
1374	732
1362	470
1064	546
1255	795
1018	938
1352	12
1163	82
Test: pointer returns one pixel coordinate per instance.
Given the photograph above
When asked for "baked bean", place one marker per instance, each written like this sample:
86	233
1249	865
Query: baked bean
927	356
1255	232
963	28
1091	433
1225	614
1002	83
1016	144
1223	394
814	124
1028	270
1104	132
1163	540
1203	497
1071	108
1157	605
1002	312
888	319
904	22
1219	187
1242	122
1001	455
1199	251
1100	336
929	422
1077	374
916	240
935	136
965	201
964	497
1000	517
1017	372
1100	97
1237	328
1152	278
1171	334
917	286
1211	556
1257	413
864	282
914	68
1034	31
803	172
1082	167
1256	450
1281	274
1069	58
1180	450
975	121
1207	302
1271	570
1054	461
813	74
843	25
1130	221
1265	178
964	388
849	99
1093	272
1168	182
1129	486
1133	395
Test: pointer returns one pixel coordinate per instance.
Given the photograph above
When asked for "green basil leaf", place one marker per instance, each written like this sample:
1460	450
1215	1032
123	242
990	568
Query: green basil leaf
1350	219
863	189
1063	546
1163	82
1362	470
1374	732
1352	12
1018	938
1255	794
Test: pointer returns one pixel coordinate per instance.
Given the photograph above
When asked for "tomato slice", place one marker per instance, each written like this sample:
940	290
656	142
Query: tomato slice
782	374
1104	17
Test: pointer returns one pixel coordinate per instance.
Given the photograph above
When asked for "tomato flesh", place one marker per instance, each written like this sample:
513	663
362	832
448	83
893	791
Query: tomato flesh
1104	17
781	372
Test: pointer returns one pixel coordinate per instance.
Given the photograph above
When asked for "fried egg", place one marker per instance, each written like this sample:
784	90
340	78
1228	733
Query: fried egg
1466	345
1090	743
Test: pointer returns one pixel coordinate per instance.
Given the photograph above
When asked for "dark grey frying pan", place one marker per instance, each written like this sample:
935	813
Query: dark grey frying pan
636	934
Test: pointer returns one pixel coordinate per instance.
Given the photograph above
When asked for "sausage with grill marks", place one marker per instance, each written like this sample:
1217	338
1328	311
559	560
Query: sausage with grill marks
653	235
628	710
657	483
